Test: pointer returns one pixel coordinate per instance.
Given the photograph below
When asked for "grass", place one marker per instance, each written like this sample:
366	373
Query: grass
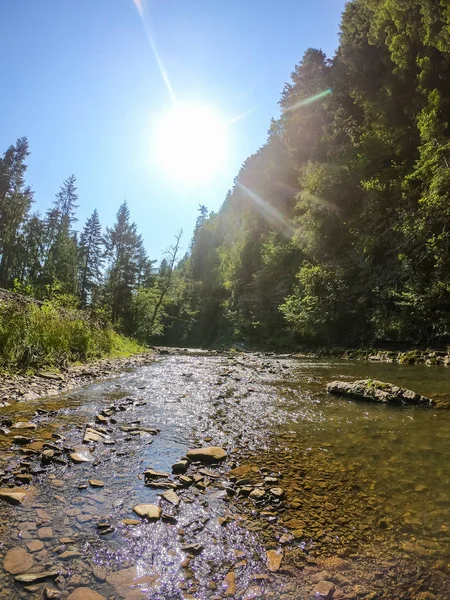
35	336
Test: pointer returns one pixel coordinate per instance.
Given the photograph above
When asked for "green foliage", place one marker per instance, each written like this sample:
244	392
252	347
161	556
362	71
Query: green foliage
36	336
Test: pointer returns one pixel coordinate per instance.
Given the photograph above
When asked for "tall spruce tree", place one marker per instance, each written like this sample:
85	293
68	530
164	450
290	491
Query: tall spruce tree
124	248
15	202
90	259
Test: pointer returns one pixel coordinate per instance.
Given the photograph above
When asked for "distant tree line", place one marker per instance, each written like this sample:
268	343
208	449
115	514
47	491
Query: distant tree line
104	271
337	231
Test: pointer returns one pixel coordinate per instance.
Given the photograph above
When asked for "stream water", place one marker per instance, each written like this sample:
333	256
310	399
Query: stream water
365	488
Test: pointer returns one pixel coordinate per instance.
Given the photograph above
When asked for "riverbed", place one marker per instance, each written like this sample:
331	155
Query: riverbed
361	507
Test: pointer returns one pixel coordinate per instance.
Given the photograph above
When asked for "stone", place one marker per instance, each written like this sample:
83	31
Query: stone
230	584
130	583
274	559
12	495
180	467
17	560
207	455
377	391
24	425
34	545
148	511
277	492
151	474
97	483
84	593
324	589
81	455
52	594
69	554
130	522
257	494
192	548
171	497
45	533
33	577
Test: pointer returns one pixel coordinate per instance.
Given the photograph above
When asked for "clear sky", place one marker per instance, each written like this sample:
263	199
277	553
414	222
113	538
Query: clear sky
80	79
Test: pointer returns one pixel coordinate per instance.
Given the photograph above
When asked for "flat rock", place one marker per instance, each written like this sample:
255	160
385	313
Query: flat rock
131	583
274	559
84	593
33	577
208	454
45	533
34	545
81	455
12	495
17	560
171	497
24	425
97	483
377	391
324	589
148	511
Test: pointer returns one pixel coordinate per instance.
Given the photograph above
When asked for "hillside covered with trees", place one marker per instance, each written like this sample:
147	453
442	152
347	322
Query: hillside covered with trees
336	231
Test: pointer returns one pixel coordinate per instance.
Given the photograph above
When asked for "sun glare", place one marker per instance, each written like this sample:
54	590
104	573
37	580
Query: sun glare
190	143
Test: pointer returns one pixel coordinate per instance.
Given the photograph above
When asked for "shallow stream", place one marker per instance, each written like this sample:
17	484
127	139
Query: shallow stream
365	488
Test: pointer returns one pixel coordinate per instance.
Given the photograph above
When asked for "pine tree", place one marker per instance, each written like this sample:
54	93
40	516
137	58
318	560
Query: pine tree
124	247
90	259
61	263
15	202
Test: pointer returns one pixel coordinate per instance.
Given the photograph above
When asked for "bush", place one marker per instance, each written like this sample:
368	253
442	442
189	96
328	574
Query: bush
39	335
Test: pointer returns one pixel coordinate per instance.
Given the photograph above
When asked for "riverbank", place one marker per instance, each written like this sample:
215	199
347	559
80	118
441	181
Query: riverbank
23	387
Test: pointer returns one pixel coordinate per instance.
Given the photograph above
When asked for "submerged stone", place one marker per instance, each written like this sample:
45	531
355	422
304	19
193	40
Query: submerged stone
209	454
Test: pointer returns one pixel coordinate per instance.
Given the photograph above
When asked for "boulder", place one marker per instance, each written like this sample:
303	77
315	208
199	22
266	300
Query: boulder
207	455
377	391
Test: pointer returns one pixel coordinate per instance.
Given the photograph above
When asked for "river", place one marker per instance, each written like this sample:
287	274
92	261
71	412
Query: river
350	495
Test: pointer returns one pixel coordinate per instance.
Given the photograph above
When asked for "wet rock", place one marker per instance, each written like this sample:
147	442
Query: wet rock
324	589
12	495
192	548
377	391
33	577
81	455
17	560
24	425
21	440
130	522
70	554
52	594
148	511
96	483
277	492
128	582
84	593
274	559
180	467
45	533
35	546
151	474
93	435
171	497
230	584
207	455
257	494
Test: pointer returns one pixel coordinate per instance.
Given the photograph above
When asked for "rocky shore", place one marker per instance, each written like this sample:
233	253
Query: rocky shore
21	387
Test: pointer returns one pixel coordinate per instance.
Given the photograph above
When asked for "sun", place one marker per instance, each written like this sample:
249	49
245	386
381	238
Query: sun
190	143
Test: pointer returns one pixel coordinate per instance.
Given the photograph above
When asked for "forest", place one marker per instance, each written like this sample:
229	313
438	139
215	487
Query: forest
335	233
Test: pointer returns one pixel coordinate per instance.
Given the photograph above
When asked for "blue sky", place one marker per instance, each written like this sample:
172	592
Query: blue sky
80	80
